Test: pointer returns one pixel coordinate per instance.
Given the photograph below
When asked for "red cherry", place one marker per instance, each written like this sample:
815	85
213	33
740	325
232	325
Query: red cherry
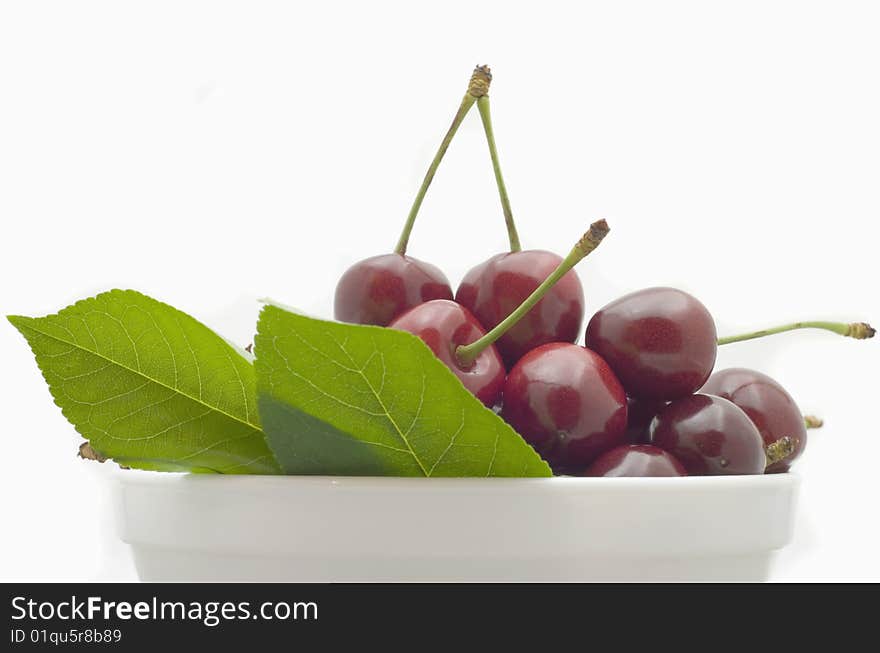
494	288
566	402
710	436
767	404
460	341
444	325
379	289
636	460
661	342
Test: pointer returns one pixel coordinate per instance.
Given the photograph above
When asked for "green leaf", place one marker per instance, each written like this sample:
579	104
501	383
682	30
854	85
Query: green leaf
149	386
362	400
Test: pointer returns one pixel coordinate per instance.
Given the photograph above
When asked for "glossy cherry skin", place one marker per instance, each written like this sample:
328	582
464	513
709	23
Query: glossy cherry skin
443	325
767	404
381	288
661	342
636	460
494	288
639	413
710	436
566	402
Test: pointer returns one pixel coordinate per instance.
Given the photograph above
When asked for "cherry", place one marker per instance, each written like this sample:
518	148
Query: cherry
636	460
659	341
566	402
710	436
767	404
378	289
494	288
457	338
444	325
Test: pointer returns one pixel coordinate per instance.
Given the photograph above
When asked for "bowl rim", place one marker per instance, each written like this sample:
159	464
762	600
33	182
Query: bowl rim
416	483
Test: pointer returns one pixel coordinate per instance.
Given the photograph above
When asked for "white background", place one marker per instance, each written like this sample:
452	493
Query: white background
210	153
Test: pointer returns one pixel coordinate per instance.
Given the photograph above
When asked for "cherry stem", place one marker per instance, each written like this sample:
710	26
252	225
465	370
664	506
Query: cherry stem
467	354
813	422
857	330
477	88
778	450
486	116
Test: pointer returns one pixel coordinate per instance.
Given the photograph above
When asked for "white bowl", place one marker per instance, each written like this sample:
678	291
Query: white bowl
328	529
335	529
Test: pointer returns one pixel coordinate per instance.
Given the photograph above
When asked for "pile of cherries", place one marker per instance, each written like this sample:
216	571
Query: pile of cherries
639	399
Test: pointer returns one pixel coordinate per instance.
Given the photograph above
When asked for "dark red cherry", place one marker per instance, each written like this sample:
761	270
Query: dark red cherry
494	288
639	413
661	342
566	402
636	460
444	325
379	289
768	405
710	436
460	341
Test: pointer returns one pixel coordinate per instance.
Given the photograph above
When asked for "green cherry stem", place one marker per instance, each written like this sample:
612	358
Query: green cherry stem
477	88
467	354
486	116
857	330
783	447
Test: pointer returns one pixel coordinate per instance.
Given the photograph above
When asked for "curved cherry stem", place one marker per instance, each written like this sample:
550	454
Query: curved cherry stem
857	330
477	88
486	117
467	354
